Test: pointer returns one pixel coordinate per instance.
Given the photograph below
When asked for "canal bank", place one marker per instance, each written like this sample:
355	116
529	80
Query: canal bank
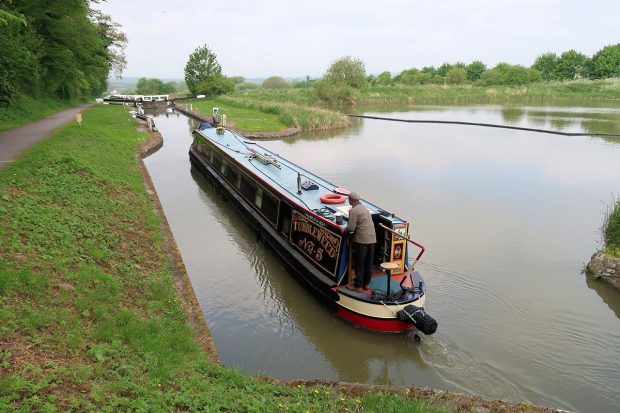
90	318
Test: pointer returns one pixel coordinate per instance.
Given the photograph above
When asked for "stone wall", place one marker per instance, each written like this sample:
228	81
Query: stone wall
605	267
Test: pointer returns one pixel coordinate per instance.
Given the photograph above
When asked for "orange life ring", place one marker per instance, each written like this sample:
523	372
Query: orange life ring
333	199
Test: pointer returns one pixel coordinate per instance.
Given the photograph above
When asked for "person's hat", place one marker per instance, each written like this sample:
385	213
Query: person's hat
354	195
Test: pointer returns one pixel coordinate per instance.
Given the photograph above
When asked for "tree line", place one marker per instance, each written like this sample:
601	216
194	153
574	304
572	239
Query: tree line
61	48
203	74
570	65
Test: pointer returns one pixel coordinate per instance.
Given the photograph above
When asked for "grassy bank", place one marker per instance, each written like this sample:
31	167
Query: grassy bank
89	317
611	229
27	109
271	111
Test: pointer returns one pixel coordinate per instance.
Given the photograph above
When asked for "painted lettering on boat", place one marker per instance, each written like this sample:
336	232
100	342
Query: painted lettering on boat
316	242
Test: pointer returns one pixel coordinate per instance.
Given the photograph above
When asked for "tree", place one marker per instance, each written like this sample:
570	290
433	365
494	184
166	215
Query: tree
606	62
384	78
546	64
275	82
474	70
114	40
146	86
203	74
347	71
490	77
571	65
456	76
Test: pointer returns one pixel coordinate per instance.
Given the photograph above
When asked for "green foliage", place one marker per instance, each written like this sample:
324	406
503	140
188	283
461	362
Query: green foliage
304	84
237	79
275	82
546	64
384	78
606	62
203	74
247	86
61	49
571	65
509	75
148	86
474	70
456	76
346	71
611	226
334	93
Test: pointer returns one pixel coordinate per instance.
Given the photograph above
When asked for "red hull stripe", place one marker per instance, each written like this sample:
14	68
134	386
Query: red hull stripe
376	324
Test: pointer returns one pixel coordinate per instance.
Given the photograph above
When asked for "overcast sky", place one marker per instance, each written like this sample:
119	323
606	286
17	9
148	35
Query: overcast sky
257	39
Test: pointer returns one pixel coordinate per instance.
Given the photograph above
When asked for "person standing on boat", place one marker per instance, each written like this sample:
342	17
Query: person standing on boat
364	239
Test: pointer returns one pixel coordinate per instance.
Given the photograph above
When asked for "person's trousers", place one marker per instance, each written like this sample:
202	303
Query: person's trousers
362	262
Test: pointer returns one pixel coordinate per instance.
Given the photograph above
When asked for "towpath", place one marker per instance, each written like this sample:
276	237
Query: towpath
15	141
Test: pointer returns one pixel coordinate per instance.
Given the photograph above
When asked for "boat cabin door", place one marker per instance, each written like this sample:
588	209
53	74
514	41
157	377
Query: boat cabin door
394	247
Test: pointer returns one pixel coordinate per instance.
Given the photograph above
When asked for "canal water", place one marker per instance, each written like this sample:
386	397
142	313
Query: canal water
508	219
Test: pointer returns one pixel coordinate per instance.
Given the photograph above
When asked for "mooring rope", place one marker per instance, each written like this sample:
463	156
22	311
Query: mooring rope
487	125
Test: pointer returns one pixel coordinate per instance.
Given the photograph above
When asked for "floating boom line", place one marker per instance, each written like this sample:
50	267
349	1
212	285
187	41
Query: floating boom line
487	125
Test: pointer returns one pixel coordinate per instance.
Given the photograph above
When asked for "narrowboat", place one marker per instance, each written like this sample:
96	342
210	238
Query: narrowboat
303	218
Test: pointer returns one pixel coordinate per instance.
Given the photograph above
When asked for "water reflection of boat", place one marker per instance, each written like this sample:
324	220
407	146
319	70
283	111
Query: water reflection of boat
305	223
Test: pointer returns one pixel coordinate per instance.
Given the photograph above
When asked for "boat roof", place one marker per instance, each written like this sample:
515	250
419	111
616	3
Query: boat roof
281	175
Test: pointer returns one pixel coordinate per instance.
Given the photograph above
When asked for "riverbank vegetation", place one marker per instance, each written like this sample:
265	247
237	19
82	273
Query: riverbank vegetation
611	228
89	316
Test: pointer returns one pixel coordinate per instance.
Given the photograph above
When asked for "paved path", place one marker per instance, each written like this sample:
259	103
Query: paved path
13	142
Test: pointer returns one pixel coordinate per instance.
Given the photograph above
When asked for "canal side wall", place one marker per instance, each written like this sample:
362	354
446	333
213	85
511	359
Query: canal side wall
254	135
605	267
182	282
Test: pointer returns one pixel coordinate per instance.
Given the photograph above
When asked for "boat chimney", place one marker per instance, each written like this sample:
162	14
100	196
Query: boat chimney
298	183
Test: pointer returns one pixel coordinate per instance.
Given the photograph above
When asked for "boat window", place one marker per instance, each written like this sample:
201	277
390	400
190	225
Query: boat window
238	183
247	188
217	162
258	200
270	207
223	168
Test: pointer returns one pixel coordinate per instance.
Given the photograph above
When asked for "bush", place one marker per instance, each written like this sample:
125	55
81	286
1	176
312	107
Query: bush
456	76
275	82
334	93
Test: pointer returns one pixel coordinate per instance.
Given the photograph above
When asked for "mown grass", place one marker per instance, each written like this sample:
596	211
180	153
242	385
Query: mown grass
89	317
27	109
244	119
